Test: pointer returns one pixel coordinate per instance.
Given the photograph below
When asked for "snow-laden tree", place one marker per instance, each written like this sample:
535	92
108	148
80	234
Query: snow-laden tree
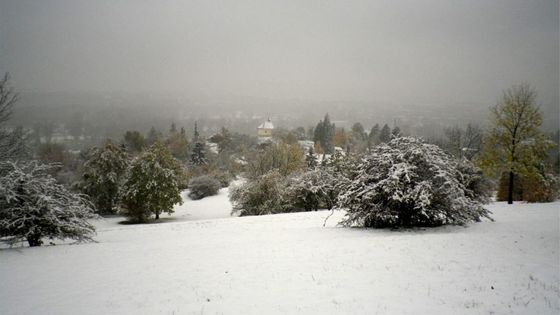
310	158
152	184
33	206
198	154
407	182
313	190
103	175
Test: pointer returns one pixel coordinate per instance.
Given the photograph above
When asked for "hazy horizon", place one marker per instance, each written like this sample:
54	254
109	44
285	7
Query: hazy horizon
383	52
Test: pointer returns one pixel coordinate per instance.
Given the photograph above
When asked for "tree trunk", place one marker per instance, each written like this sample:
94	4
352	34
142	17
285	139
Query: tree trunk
157	215
34	240
510	188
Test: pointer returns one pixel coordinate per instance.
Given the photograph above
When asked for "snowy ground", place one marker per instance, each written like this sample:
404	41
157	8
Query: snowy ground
202	261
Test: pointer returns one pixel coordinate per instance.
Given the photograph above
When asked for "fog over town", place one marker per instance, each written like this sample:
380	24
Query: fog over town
437	64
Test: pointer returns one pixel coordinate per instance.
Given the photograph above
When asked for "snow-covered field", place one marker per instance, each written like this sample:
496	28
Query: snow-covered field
202	261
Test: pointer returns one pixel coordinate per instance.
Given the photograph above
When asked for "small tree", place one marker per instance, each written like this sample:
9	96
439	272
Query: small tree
103	176
152	184
153	136
203	186
410	183
324	134
282	157
33	206
310	158
198	155
385	134
515	143
178	144
373	137
134	141
396	132
12	142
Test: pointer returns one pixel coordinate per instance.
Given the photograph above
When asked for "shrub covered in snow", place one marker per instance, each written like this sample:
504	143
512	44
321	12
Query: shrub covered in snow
203	186
478	187
33	206
313	190
410	183
152	184
261	195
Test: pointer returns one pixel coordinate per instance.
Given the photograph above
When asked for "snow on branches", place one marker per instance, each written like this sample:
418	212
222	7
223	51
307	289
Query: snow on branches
103	174
314	189
33	206
152	184
410	183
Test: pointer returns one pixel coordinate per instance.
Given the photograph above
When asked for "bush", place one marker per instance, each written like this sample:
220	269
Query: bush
224	178
203	186
313	190
33	206
410	183
534	188
478	187
541	188
262	195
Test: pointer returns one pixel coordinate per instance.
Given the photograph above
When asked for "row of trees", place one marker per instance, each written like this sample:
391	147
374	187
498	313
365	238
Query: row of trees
407	182
382	178
326	136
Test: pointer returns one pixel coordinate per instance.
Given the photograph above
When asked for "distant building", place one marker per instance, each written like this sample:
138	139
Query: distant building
265	129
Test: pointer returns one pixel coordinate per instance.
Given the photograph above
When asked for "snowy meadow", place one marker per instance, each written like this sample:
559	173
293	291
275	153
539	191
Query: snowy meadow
203	261
279	157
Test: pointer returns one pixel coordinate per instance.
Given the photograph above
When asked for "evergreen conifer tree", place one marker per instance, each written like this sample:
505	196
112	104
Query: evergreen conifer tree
310	158
373	137
198	154
396	132
324	134
385	134
153	136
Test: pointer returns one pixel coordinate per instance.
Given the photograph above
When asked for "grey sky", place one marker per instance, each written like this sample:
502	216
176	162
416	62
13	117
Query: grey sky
406	52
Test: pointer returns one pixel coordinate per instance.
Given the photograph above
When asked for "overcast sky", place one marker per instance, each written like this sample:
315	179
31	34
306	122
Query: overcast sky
406	52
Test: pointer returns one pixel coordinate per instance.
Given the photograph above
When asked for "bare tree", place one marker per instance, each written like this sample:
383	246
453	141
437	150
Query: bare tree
7	99
12	142
463	143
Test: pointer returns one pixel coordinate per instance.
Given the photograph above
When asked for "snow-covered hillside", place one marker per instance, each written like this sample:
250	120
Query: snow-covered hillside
199	262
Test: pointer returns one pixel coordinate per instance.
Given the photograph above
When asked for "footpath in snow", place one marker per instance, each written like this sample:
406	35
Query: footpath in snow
290	264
